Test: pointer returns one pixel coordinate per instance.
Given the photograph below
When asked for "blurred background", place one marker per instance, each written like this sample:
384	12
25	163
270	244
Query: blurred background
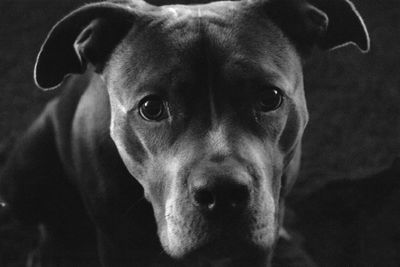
353	98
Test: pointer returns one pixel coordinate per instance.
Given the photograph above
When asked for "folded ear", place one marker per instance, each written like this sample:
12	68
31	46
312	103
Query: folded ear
88	34
345	26
329	24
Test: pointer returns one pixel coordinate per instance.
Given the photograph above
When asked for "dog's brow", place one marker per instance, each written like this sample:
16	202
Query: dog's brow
252	70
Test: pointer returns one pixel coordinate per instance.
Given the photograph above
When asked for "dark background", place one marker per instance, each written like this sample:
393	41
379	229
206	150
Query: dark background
353	98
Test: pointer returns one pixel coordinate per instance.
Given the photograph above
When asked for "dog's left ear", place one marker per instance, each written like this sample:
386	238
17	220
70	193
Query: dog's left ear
329	24
87	35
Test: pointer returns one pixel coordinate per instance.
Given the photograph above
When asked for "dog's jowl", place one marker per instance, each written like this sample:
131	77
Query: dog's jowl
177	134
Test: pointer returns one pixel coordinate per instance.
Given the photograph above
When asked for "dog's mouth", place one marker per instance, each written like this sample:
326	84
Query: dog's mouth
217	242
187	232
226	252
217	212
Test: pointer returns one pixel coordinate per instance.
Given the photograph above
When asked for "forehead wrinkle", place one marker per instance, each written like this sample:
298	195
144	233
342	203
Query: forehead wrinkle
252	70
204	33
176	16
198	52
260	50
260	40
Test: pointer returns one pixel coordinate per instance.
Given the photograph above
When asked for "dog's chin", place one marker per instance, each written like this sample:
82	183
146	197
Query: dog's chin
232	252
229	250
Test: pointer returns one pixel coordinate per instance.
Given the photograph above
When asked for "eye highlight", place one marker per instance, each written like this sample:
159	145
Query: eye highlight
152	108
270	99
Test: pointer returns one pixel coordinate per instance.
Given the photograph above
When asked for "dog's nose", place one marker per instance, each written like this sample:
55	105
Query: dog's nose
220	194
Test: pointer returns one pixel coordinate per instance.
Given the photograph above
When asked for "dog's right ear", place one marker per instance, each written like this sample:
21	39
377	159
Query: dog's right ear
88	34
328	24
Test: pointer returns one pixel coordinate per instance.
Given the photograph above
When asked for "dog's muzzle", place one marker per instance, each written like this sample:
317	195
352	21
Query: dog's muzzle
221	209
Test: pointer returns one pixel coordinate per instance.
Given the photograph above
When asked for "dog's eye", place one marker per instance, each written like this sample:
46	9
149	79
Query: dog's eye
271	99
152	108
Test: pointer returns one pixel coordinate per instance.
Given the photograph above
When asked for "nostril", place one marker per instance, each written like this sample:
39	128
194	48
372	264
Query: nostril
204	198
225	196
238	196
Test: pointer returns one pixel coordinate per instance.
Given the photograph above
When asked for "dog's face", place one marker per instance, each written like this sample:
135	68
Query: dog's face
207	106
207	112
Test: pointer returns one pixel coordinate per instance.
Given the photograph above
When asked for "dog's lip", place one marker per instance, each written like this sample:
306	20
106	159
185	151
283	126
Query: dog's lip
211	255
223	248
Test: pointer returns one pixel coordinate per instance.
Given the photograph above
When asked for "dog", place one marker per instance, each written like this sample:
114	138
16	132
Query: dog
177	135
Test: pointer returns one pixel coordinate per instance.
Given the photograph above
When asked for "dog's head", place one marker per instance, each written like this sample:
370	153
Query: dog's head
207	106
